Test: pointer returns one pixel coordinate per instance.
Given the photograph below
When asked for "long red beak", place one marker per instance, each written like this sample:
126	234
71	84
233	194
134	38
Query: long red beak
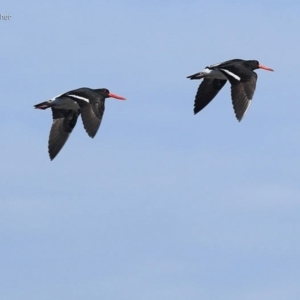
116	96
265	68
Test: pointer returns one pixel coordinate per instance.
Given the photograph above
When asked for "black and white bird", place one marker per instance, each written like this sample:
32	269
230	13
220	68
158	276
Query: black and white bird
66	108
240	74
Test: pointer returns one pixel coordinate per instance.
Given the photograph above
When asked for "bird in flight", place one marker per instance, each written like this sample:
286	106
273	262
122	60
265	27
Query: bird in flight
240	74
66	108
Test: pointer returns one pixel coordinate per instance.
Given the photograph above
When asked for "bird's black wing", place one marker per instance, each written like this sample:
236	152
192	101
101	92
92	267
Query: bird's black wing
91	107
91	114
242	94
207	90
63	123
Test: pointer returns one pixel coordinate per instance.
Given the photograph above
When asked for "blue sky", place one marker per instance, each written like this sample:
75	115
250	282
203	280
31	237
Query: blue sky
161	204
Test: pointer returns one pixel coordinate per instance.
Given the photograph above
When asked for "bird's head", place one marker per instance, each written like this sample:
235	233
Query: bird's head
107	94
254	64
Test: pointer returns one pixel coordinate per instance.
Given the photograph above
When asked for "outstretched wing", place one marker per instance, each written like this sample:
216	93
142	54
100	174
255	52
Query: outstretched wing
63	123
91	115
242	93
207	90
91	108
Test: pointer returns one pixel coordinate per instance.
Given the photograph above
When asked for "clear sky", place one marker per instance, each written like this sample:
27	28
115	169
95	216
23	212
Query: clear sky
161	204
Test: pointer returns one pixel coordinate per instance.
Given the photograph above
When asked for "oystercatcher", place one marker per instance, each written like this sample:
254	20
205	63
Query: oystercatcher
240	74
67	107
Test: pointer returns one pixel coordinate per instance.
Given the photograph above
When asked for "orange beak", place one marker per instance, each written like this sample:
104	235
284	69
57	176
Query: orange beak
265	68
116	96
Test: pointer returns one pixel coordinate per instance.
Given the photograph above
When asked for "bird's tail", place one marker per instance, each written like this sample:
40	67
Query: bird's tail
198	75
43	105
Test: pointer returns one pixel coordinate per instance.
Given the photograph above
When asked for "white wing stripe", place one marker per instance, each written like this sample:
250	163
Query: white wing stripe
79	98
231	74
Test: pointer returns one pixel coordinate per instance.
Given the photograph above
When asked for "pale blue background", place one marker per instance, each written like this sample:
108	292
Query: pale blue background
162	204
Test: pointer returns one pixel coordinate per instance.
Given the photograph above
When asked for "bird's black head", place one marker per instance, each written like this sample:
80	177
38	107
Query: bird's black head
107	94
254	64
103	92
